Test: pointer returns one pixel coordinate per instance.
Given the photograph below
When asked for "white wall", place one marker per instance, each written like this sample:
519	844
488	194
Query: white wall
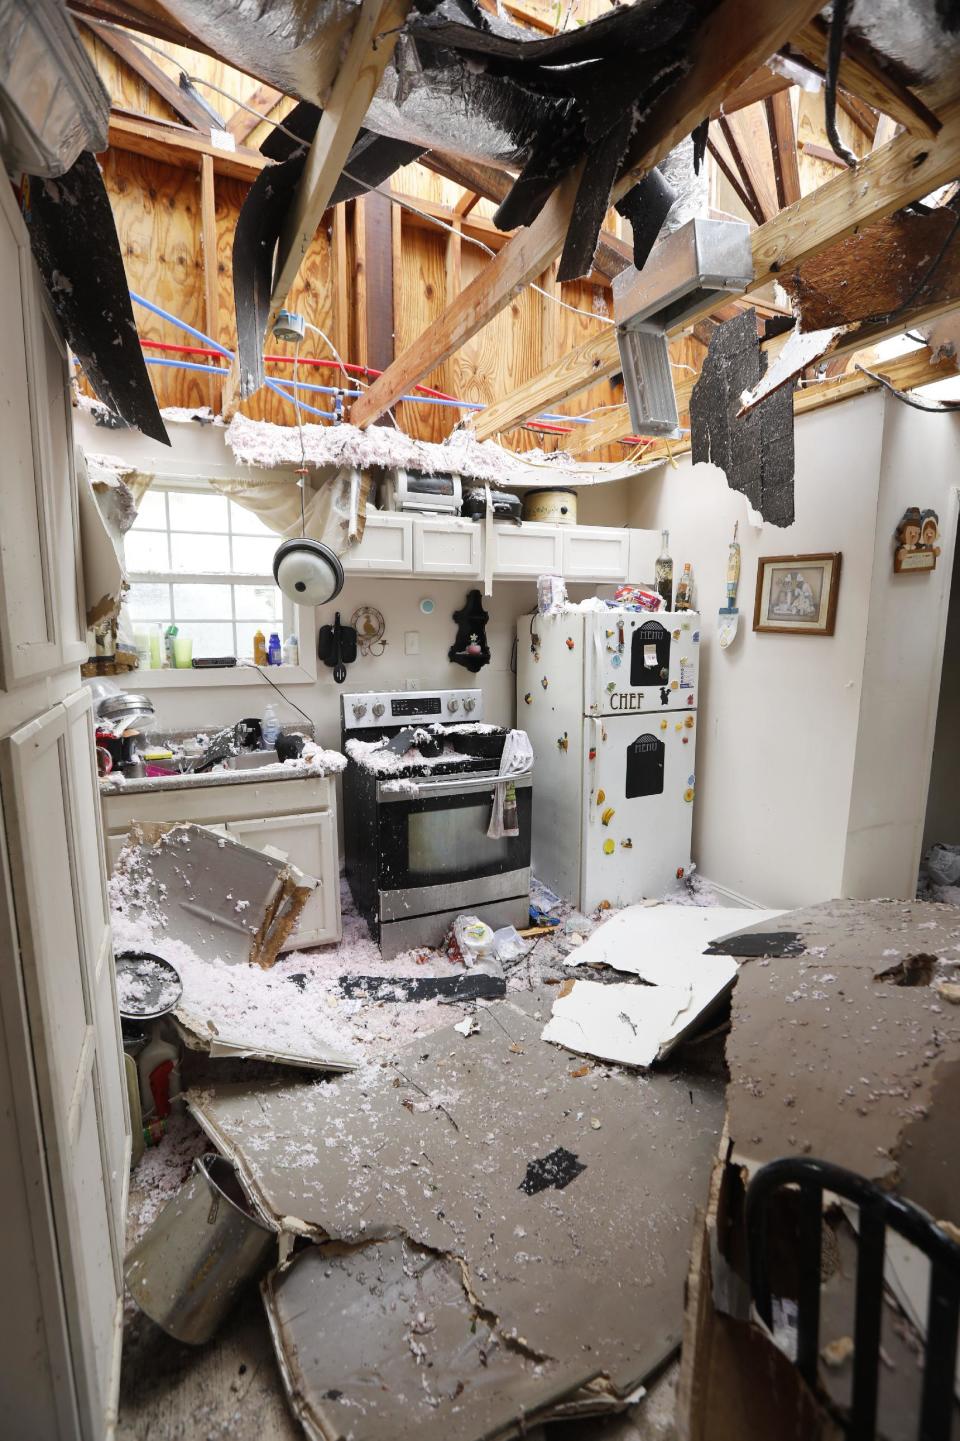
920	466
943	795
779	713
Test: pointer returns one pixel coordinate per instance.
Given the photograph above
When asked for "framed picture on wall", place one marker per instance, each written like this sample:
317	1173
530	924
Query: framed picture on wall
797	594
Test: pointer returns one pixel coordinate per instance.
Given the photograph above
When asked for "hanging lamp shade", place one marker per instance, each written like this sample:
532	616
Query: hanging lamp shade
308	572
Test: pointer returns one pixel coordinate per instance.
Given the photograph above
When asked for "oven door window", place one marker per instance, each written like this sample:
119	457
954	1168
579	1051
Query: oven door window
427	842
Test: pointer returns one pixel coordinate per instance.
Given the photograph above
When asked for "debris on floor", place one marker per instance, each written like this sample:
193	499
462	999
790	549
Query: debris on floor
451	1177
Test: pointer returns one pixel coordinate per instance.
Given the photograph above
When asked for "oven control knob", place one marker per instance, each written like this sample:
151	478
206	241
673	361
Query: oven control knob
453	704
379	708
359	709
469	704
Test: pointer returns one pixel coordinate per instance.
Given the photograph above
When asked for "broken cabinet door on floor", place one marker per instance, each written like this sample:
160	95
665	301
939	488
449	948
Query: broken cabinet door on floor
64	964
310	843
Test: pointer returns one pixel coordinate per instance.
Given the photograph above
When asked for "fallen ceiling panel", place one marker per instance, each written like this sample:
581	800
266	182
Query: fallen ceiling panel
423	1147
403	1354
74	242
838	1051
755	452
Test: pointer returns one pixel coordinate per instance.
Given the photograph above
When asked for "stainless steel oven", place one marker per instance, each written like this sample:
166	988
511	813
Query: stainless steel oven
418	853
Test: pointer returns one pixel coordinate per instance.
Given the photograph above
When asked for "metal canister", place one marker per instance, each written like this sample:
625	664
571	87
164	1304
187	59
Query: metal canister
555	505
204	1247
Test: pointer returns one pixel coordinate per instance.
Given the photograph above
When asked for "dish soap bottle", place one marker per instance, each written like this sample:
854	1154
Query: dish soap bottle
664	571
260	649
270	728
684	598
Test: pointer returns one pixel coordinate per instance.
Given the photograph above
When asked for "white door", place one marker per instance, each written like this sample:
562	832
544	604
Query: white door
639	786
446	547
59	900
310	843
595	552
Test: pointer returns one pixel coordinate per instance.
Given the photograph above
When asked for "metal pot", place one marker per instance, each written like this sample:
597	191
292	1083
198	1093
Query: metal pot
555	506
203	1248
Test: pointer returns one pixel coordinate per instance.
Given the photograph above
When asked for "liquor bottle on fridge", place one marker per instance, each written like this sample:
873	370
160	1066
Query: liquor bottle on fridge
684	598
664	571
609	701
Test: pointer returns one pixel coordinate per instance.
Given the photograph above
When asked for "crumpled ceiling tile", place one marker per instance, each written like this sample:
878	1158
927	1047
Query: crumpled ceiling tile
755	452
74	242
801	350
425	1148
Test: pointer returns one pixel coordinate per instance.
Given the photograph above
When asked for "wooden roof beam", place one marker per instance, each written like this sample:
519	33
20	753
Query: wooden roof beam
178	145
748	138
127	50
883	182
735	37
862	76
783	147
241	123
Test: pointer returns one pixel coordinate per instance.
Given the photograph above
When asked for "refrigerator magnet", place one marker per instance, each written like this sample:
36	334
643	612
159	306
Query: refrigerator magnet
609	847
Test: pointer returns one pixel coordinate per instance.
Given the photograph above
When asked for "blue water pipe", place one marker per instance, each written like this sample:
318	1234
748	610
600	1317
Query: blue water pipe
275	385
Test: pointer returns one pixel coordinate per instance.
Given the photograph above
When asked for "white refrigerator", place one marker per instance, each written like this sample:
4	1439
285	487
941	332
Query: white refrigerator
609	701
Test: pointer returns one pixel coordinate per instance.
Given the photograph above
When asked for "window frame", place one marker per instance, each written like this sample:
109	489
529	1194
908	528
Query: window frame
299	619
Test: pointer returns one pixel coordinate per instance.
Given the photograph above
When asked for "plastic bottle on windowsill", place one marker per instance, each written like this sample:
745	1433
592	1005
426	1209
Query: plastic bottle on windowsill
291	651
260	649
274	649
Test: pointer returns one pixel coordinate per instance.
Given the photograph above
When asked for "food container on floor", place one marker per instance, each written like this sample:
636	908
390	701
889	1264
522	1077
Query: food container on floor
206	1245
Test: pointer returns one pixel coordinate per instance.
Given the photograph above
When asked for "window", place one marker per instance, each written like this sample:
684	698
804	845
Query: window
201	562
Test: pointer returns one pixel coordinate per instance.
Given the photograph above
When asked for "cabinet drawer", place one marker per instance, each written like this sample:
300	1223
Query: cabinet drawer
446	547
527	551
386	547
205	805
595	553
309	842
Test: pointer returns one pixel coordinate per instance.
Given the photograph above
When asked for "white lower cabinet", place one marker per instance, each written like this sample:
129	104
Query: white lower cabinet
297	817
310	843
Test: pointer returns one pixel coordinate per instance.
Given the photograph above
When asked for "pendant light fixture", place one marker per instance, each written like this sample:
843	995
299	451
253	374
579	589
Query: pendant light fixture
308	572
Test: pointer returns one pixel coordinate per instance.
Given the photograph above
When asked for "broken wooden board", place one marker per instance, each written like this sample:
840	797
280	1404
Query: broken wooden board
755	452
424	1148
832	1055
883	268
800	351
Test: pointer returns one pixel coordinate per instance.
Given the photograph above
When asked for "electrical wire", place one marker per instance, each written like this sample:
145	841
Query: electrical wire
922	284
249	664
838	24
932	407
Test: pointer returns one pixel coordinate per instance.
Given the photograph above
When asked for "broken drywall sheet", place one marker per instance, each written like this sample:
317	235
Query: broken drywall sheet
623	1022
755	452
424	1147
801	350
661	942
405	1353
838	1051
104	578
169	895
226	901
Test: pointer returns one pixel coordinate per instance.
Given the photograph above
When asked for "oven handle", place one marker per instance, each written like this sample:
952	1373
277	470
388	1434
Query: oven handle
455	786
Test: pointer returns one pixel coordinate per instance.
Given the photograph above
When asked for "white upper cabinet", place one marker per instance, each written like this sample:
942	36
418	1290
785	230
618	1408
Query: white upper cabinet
595	552
386	547
447	546
526	551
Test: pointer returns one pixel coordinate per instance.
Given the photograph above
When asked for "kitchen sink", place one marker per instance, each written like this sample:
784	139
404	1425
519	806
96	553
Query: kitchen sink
252	760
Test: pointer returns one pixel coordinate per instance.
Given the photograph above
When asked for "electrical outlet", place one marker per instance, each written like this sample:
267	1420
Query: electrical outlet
411	642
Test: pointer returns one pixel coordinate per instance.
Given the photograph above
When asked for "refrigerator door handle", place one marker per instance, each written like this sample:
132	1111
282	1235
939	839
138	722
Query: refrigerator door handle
593	761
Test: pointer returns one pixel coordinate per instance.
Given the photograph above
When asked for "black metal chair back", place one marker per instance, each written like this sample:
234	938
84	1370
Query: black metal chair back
878	1211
